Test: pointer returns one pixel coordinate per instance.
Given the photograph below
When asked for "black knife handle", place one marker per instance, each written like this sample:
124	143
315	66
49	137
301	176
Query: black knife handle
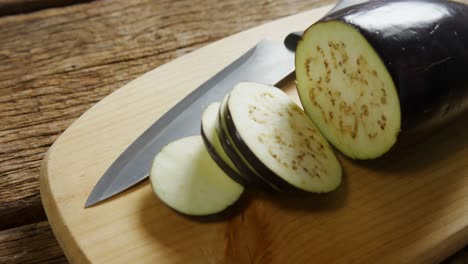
292	39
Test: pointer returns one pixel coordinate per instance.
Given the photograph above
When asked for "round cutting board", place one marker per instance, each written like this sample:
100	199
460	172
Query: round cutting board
411	207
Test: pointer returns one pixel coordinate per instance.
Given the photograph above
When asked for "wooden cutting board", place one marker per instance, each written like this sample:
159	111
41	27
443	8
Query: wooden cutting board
410	208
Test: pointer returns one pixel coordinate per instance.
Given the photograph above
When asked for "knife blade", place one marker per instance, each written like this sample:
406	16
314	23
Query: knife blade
256	65
133	165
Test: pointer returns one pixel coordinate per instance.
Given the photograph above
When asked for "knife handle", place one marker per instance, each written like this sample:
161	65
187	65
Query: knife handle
292	39
345	3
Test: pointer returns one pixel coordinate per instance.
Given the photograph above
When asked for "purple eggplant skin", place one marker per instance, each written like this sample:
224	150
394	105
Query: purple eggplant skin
251	180
424	45
220	162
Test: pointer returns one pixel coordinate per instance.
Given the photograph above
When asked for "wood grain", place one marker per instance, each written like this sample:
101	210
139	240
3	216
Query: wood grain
30	244
11	7
58	63
407	208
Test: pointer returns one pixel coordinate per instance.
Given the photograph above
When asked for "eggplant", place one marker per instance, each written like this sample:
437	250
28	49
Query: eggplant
279	141
186	178
372	73
253	178
213	144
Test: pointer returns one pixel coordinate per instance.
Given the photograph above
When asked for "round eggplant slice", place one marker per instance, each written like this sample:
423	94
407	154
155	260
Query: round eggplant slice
253	178
186	178
280	141
368	72
213	145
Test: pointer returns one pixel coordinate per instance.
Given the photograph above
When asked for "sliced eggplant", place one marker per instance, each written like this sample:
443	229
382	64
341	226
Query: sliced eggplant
368	72
254	179
185	177
213	145
279	140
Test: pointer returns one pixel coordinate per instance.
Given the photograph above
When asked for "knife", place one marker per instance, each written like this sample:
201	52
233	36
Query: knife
256	65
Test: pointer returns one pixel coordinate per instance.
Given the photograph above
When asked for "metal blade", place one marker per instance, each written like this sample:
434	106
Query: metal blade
268	62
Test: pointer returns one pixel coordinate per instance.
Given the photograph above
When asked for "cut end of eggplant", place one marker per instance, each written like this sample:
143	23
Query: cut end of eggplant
185	177
347	91
280	140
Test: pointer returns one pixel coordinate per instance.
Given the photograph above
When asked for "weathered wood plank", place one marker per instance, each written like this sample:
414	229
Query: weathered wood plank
30	244
57	63
11	7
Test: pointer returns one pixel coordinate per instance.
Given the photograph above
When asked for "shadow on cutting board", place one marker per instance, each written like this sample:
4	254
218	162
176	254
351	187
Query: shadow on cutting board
428	150
173	238
243	232
310	202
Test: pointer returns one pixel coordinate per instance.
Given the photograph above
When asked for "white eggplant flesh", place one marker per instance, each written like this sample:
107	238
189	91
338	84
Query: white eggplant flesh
185	177
252	176
213	144
347	91
280	141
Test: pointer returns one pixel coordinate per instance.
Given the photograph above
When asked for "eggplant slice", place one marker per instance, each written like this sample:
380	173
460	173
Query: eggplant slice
368	72
254	179
185	177
213	144
279	140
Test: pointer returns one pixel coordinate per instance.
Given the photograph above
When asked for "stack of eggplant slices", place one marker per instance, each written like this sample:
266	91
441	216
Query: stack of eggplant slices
366	75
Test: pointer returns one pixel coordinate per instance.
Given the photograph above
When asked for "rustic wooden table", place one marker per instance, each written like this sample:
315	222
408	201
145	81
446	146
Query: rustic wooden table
63	56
